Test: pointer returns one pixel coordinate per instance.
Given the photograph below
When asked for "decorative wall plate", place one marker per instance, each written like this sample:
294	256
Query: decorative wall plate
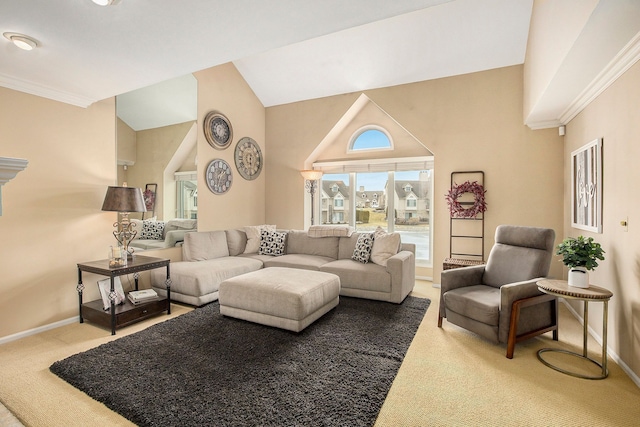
218	176
248	158
217	130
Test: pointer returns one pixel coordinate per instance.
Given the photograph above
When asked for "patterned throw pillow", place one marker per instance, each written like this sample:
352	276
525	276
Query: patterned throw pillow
272	243
152	230
362	252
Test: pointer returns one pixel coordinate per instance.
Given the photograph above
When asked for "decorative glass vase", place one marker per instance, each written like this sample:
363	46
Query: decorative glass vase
578	277
117	257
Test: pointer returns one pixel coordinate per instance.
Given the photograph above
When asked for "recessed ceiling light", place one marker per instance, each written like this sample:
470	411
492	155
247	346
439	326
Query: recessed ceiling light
22	41
106	2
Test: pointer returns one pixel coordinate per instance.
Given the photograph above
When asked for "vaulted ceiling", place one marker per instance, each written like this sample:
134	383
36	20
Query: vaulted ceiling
287	50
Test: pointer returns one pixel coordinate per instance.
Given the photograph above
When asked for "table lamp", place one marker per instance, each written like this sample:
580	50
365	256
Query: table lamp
124	200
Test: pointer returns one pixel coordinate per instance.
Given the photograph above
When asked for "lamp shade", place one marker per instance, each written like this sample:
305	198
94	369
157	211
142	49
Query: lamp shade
311	175
124	199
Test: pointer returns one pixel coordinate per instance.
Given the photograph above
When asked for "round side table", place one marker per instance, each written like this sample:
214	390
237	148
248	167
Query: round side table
561	288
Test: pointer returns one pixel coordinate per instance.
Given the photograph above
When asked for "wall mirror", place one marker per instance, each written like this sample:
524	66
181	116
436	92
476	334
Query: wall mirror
156	146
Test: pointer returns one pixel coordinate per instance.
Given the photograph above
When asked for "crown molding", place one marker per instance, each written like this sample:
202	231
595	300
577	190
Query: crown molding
628	55
45	92
9	168
544	124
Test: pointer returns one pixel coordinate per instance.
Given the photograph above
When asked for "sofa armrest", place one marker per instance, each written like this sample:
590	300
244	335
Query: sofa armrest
173	237
402	268
411	247
459	278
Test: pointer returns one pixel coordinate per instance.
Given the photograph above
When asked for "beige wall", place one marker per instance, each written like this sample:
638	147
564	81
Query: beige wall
126	145
125	150
51	211
224	90
469	122
154	150
615	117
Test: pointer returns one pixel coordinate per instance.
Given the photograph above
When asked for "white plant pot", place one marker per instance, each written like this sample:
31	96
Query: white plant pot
578	277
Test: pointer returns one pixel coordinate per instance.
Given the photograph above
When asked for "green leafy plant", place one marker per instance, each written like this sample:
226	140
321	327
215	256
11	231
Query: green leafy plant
580	252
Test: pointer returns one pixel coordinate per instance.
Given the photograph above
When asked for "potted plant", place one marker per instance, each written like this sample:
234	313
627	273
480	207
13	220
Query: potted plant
580	255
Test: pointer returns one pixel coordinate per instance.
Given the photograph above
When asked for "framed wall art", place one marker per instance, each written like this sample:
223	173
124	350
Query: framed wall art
149	195
586	187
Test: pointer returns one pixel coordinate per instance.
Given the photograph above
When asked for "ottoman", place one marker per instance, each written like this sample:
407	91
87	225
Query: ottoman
286	298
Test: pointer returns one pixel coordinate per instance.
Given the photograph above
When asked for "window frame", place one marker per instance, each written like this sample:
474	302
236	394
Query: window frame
391	165
359	132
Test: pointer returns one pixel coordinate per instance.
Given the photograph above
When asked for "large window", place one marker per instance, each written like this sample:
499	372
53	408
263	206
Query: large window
397	201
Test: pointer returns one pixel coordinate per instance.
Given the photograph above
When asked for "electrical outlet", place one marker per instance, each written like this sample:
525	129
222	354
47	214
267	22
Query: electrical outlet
625	224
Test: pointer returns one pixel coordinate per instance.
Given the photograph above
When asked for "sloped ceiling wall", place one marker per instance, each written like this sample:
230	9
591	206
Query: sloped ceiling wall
365	112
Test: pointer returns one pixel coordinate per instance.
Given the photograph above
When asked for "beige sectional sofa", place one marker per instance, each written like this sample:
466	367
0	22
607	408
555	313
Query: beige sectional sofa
211	257
153	234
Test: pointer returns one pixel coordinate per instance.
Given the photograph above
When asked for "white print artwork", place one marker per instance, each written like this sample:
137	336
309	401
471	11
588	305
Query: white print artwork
105	289
586	187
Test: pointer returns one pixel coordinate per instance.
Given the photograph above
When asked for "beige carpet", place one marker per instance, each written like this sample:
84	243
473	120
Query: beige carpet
449	378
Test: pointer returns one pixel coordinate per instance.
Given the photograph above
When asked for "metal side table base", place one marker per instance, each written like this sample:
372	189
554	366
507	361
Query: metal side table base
593	293
605	372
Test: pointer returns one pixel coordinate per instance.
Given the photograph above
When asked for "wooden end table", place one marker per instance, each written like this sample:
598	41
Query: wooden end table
561	288
127	313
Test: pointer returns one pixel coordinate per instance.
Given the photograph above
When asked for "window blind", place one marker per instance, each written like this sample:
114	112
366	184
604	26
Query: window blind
376	165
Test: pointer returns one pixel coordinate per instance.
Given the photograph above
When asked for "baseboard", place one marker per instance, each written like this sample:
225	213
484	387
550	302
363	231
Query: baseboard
35	331
610	353
427	278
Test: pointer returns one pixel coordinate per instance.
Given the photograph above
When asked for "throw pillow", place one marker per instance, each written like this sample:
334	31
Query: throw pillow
152	230
272	243
385	245
362	252
253	237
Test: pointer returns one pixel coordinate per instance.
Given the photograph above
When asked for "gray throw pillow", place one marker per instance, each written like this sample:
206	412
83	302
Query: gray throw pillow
362	252
272	243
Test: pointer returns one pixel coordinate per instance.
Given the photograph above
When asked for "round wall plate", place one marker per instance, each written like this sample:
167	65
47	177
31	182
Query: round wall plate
218	176
217	130
248	157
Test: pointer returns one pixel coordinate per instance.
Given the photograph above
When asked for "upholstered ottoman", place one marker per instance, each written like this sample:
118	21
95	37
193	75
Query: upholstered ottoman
286	298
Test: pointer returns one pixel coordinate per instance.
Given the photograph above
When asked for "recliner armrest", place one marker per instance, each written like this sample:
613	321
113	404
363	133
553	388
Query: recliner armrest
512	292
459	278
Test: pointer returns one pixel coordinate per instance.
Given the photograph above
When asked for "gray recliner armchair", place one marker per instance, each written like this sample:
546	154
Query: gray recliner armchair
500	300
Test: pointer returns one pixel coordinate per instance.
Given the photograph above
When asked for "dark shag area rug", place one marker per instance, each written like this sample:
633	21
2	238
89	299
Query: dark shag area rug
203	369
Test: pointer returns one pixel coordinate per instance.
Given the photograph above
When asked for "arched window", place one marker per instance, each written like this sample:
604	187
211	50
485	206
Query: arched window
370	138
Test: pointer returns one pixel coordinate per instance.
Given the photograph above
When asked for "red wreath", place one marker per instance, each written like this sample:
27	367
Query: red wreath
455	207
149	199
